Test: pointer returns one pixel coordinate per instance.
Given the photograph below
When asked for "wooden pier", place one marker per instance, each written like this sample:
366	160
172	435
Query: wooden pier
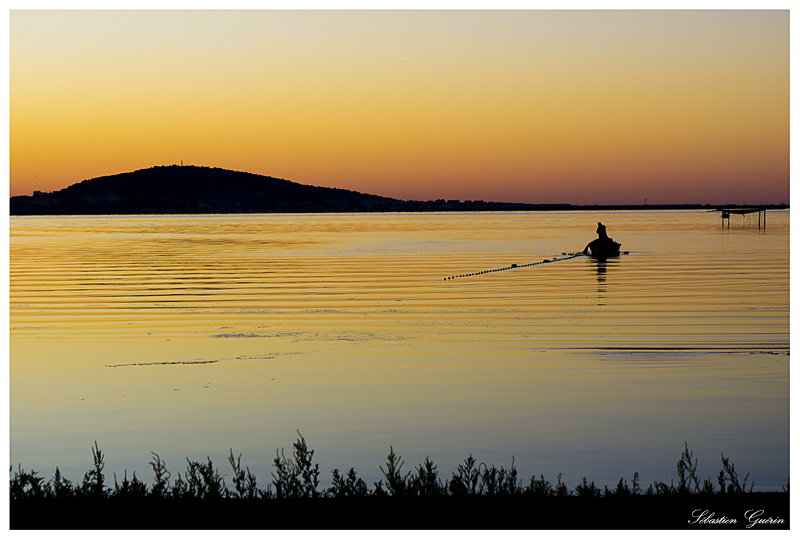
726	211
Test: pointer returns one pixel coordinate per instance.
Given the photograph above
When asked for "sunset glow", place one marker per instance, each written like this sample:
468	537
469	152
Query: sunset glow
581	107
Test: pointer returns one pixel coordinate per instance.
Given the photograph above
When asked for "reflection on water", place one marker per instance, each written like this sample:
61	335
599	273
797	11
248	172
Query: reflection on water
600	268
189	335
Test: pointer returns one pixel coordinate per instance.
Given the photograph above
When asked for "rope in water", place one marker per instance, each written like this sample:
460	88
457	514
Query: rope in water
566	256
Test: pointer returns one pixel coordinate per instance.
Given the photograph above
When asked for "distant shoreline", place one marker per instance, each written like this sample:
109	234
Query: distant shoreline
455	207
204	190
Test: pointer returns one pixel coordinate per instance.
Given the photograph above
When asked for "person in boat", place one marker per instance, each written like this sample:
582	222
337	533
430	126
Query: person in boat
602	237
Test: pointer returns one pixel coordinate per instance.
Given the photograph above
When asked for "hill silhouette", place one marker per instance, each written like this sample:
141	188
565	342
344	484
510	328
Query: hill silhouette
178	189
189	189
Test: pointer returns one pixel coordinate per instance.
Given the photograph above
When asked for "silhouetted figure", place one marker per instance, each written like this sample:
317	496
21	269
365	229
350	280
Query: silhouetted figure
601	231
603	246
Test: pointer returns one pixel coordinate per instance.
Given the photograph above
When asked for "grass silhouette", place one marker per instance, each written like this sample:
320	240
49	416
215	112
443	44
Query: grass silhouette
296	478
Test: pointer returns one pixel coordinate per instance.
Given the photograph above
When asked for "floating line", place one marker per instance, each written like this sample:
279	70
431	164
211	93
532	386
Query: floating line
165	363
564	257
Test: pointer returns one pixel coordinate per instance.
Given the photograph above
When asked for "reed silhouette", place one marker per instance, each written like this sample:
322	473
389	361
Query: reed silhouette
296	478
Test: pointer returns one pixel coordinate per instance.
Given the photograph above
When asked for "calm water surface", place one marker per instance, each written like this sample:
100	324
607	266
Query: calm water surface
191	335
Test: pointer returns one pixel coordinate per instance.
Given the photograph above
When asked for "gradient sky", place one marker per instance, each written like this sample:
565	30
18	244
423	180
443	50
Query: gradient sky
582	107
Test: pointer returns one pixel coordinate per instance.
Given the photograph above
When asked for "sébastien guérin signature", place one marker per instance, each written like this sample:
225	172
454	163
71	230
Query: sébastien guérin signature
753	517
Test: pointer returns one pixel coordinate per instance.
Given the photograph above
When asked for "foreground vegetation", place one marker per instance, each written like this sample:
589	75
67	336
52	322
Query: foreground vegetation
296	478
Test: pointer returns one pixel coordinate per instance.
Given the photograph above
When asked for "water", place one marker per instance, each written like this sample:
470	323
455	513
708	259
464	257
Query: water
191	335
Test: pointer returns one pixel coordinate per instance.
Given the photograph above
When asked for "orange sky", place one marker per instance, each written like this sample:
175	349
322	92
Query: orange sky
578	107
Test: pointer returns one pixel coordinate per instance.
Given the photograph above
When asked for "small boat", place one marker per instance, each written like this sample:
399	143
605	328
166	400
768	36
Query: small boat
602	248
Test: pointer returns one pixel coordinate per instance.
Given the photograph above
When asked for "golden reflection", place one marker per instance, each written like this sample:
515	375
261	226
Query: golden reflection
222	331
600	268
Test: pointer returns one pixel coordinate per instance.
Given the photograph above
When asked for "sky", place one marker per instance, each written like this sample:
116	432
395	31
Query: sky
580	107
